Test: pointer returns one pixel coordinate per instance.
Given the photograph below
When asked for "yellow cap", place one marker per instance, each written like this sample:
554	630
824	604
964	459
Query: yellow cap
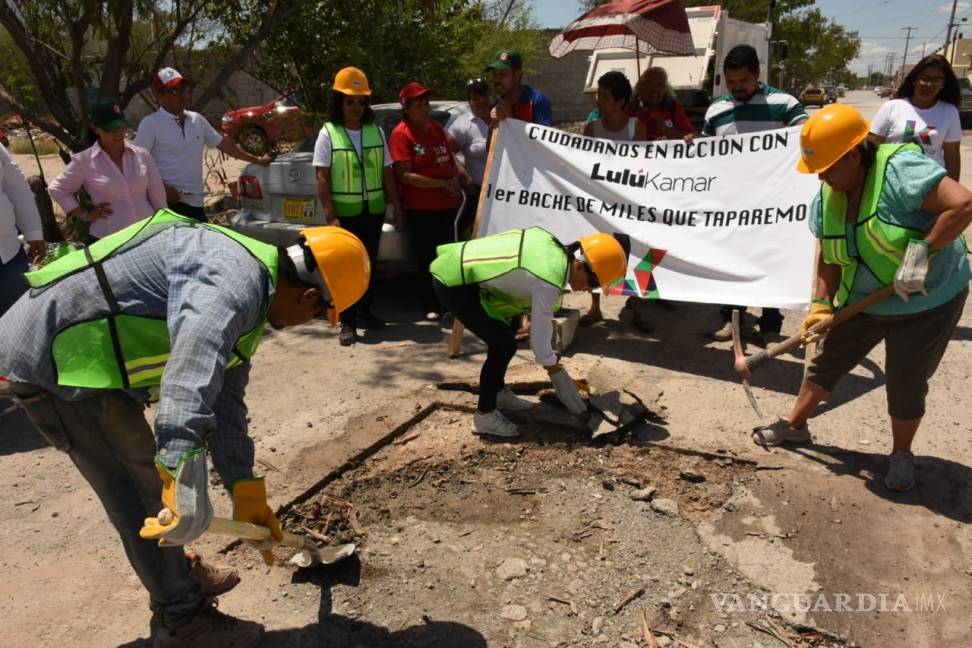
829	135
343	262
351	81
605	256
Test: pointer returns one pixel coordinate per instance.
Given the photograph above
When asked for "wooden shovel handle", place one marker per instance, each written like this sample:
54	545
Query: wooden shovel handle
248	531
844	314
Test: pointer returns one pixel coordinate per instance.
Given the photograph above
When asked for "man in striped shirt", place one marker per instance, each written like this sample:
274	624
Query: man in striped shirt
750	106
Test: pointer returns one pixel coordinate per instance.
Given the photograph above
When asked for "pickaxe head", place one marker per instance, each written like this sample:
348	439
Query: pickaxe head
739	362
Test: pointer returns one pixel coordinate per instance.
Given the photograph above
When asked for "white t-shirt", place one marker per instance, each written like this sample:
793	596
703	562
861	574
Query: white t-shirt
898	121
543	300
18	211
178	150
322	148
472	135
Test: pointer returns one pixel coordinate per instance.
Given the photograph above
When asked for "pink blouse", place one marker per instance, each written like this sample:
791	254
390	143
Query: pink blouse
133	192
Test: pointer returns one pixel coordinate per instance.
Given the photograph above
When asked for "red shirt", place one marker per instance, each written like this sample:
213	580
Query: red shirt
429	154
673	116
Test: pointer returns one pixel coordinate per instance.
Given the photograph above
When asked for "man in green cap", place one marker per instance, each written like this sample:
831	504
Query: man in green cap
517	100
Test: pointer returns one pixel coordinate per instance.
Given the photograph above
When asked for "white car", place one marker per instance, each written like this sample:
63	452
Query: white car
280	199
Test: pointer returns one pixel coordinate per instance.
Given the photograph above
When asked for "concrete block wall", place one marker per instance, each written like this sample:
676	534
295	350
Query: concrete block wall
562	80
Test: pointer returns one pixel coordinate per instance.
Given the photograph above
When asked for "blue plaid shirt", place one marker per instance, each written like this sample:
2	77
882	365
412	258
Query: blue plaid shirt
209	289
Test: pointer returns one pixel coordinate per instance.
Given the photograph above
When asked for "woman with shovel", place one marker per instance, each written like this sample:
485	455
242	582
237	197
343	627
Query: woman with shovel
886	214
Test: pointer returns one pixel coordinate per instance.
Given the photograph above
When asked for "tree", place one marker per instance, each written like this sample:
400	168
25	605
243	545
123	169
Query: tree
587	5
439	43
819	48
62	52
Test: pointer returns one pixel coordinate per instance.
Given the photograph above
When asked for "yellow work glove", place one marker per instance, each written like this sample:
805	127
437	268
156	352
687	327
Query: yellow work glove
820	310
186	512
250	505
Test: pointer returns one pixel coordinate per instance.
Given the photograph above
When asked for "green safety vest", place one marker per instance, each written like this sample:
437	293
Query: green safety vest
349	171
533	249
121	350
880	244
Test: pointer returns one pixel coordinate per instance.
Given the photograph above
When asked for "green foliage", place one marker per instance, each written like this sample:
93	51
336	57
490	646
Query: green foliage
587	5
819	48
440	44
21	146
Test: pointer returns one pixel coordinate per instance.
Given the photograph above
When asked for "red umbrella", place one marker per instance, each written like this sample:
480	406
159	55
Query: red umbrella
650	26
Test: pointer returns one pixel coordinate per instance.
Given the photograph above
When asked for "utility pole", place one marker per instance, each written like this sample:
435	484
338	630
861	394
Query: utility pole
923	46
904	59
948	33
870	66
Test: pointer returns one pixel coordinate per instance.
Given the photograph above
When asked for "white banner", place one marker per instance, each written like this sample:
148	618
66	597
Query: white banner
722	220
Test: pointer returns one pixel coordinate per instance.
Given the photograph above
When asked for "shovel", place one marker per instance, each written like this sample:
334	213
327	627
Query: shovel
309	553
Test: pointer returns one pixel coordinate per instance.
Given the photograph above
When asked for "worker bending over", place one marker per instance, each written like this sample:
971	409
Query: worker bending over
489	281
174	307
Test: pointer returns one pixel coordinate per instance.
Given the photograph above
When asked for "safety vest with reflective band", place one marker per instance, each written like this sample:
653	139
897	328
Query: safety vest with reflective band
353	176
880	244
122	350
533	249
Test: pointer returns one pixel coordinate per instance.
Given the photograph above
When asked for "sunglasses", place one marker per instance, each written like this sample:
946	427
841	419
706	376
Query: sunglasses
479	81
351	102
179	89
931	81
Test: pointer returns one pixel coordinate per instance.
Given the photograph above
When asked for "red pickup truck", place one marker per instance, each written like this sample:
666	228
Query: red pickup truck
257	128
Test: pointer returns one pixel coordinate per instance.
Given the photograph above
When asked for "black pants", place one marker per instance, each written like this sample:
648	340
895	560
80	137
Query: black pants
430	229
770	321
366	227
463	302
189	211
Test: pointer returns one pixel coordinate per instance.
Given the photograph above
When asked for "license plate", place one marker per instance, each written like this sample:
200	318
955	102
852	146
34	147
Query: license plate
300	210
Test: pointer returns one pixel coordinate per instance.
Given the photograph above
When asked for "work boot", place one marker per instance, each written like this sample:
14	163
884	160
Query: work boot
369	322
510	402
780	432
348	335
901	471
210	628
494	424
724	334
215	580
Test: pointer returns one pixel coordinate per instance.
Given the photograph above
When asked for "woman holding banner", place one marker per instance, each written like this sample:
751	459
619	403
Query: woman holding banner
882	214
614	123
489	281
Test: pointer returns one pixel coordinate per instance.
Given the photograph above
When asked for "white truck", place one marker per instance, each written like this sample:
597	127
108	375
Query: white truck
697	79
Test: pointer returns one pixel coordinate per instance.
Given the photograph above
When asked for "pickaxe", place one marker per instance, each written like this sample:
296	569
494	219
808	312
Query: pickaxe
745	365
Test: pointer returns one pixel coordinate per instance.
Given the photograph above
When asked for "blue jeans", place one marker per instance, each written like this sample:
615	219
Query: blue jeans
112	446
12	282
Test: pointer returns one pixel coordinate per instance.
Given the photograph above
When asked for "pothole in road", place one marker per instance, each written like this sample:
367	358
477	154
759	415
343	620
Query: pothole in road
546	541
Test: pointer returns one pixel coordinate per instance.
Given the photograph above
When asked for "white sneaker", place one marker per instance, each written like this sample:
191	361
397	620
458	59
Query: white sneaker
780	432
507	400
432	316
494	424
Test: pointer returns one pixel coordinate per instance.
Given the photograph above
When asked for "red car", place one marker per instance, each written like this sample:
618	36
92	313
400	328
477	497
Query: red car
257	128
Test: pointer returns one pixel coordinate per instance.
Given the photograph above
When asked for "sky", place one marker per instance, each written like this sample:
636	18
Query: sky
879	23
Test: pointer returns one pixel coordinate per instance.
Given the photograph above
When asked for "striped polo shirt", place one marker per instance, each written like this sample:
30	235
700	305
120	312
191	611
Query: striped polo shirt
769	108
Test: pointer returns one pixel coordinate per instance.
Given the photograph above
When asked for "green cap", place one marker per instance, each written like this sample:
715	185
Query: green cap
106	114
506	59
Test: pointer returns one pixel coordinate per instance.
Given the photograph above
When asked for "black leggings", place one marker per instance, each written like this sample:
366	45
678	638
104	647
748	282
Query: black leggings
366	227
430	229
463	302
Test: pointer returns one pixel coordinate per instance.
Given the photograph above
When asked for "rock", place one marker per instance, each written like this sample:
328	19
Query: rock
596	625
691	476
688	571
538	563
626	644
607	484
512	568
663	641
575	586
394	540
665	506
719	628
643	494
513	612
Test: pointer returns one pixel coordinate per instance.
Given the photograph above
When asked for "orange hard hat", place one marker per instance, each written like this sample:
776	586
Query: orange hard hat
343	265
351	81
605	257
829	135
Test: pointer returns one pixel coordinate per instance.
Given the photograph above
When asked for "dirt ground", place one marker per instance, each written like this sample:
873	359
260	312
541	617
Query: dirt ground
471	543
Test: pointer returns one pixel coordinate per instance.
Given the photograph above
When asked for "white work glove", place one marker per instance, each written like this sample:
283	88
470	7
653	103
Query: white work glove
567	392
910	277
185	493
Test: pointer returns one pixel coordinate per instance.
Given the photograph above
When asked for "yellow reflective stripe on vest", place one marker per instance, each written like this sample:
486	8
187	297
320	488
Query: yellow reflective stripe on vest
880	244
